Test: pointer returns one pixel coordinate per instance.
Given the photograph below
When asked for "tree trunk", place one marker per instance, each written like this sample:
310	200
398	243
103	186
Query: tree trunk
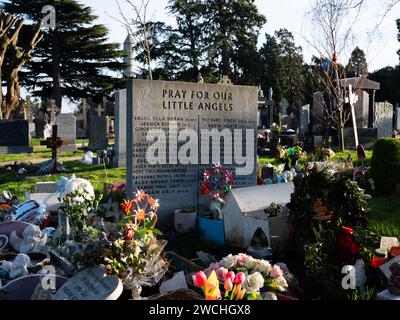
13	93
56	72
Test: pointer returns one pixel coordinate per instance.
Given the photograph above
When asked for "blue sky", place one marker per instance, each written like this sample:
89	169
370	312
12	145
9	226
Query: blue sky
380	47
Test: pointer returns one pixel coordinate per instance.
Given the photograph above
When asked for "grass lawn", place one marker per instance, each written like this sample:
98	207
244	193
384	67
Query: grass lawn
96	174
385	217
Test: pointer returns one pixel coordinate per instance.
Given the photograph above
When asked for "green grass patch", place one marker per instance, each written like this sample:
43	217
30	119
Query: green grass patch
96	174
385	215
39	152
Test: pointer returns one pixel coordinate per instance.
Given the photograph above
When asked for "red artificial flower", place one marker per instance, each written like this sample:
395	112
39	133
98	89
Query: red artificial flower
127	206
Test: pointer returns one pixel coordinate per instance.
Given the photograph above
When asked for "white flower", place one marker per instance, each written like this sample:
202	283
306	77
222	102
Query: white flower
79	189
263	266
281	281
254	282
228	262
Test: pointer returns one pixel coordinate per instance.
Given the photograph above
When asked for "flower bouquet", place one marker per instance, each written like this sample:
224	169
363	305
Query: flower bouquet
242	277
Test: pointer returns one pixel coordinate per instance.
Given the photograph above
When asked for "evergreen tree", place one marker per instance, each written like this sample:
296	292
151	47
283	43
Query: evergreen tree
294	68
74	59
273	68
233	27
358	64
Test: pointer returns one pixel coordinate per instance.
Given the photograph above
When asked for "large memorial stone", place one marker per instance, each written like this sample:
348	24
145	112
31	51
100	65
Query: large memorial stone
384	119
120	129
91	284
66	130
170	122
98	138
304	114
14	136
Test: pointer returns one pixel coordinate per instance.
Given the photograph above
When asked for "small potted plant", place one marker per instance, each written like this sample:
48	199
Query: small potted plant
185	219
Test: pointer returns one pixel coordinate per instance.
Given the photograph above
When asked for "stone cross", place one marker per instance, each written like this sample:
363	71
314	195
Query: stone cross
53	143
85	108
99	110
52	109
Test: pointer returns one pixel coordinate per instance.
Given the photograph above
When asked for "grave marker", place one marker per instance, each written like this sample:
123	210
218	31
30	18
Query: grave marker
91	284
66	126
167	108
14	137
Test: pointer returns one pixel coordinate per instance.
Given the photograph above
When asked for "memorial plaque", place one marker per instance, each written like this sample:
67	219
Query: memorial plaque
91	284
66	130
98	137
172	121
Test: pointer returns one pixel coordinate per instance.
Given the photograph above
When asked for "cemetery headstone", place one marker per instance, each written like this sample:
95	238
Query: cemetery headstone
304	113
91	284
166	108
98	138
32	130
120	129
66	126
384	119
397	122
14	137
40	122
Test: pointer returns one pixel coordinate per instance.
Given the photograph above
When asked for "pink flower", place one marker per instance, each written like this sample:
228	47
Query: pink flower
276	272
239	279
228	285
230	276
242	259
221	273
199	279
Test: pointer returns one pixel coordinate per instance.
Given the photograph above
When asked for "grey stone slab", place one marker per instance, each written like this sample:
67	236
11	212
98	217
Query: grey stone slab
46	187
171	107
66	130
14	136
98	137
384	119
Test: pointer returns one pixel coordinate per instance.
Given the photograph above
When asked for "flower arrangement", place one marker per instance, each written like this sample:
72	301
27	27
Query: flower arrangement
275	132
133	247
79	204
256	276
323	154
217	182
232	284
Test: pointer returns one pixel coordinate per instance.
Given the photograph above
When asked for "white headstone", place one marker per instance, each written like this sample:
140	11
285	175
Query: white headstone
66	130
91	284
384	119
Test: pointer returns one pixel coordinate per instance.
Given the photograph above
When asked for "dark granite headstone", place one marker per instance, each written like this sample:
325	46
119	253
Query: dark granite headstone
14	136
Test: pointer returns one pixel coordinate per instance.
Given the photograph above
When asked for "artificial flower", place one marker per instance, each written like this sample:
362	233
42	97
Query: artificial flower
127	206
239	278
262	266
228	262
140	215
199	279
242	259
221	273
254	282
276	272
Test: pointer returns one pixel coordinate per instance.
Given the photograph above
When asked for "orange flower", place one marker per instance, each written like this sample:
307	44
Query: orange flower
140	215
127	206
153	203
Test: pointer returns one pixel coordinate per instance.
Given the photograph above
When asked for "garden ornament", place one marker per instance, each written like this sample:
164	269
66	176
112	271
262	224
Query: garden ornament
32	240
